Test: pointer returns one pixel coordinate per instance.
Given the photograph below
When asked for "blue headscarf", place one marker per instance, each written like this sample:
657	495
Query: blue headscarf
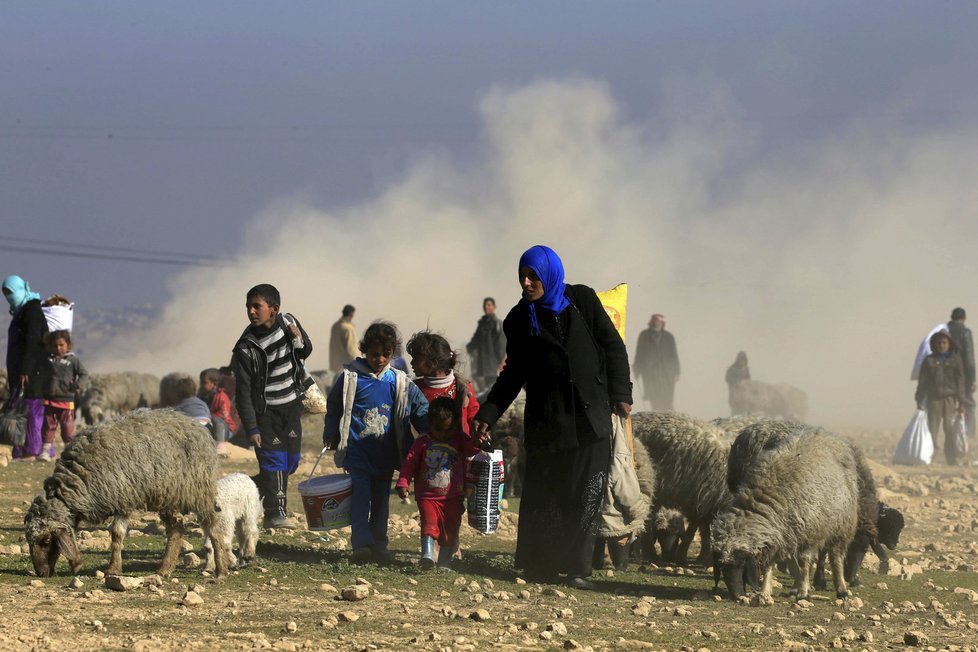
545	262
20	293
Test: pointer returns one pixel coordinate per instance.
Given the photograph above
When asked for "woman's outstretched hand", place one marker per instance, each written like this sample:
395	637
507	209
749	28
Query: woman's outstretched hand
480	431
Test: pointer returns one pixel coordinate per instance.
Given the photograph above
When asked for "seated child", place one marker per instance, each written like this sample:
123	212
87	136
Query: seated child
222	418
436	464
63	378
370	411
184	399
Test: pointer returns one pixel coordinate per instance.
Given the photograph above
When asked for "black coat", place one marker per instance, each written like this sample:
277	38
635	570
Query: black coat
569	386
26	355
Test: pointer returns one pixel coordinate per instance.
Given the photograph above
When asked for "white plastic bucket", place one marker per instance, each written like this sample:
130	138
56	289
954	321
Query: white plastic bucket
326	500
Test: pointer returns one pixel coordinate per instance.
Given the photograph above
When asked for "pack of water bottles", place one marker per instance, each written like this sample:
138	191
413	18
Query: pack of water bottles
485	490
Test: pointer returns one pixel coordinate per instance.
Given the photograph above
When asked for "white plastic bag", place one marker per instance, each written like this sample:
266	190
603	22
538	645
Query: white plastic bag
59	318
916	445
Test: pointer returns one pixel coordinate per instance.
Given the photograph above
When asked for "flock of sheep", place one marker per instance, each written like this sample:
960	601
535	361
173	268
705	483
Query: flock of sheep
759	491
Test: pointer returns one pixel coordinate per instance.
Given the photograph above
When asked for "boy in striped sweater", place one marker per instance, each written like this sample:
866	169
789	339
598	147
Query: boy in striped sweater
267	365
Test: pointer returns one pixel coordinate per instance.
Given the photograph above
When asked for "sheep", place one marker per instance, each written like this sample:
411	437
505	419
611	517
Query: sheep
756	437
240	509
157	460
4	385
665	527
781	400
690	460
514	459
792	501
114	393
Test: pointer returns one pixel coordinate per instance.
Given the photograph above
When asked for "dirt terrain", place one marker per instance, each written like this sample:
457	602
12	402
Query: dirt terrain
292	597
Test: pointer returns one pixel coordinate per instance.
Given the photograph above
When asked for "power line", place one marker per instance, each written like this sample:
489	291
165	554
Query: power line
47	251
116	249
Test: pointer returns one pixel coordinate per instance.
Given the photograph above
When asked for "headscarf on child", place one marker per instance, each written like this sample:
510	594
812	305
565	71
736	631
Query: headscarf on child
548	267
20	293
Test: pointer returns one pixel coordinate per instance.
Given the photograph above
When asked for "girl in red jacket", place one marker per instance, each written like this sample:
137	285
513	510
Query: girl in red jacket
433	362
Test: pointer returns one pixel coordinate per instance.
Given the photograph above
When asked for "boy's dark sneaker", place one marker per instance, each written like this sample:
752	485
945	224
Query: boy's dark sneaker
426	563
383	556
362	555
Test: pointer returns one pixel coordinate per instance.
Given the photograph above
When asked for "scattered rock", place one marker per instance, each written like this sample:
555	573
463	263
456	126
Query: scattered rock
327	588
36	584
480	616
761	600
191	599
348	616
558	628
76	583
915	638
122	582
291	627
355	592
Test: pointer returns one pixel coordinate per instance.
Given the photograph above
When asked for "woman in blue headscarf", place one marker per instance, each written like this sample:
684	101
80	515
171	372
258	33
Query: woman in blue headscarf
25	359
562	347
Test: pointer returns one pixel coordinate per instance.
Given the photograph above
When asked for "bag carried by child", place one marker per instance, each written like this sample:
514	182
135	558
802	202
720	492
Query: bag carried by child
916	445
13	420
313	399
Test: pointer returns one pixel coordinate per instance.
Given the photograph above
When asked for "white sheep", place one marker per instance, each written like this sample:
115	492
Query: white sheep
240	509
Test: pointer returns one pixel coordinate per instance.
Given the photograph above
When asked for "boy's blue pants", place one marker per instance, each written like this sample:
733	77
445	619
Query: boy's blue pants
370	508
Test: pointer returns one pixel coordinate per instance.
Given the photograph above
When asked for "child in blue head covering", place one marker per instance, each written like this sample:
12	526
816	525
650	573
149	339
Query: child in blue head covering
26	358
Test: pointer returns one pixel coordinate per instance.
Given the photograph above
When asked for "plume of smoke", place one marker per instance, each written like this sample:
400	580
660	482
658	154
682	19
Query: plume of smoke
827	269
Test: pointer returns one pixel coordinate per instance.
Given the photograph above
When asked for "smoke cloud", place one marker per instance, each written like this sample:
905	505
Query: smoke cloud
827	266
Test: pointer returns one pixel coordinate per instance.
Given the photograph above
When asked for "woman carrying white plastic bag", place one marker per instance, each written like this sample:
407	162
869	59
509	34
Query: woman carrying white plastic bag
916	445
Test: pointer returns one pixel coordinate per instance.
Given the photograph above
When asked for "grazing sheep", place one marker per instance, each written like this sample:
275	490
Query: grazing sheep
776	401
237	498
690	460
665	527
792	501
155	460
115	393
756	437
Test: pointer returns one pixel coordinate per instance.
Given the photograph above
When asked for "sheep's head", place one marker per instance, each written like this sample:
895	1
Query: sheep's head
669	528
890	526
47	528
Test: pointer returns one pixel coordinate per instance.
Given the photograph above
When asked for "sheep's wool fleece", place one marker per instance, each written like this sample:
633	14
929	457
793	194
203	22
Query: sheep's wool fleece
153	460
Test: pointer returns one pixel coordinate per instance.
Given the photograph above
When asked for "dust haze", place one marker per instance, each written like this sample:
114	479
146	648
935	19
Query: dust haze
827	266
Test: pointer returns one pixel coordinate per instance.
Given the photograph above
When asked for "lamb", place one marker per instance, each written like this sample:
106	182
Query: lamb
237	498
157	460
776	401
114	393
792	501
690	460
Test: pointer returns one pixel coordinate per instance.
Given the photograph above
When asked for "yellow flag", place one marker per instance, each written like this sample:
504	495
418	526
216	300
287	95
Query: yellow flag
614	301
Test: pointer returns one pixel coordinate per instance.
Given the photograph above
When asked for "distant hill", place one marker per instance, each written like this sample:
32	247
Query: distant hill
95	328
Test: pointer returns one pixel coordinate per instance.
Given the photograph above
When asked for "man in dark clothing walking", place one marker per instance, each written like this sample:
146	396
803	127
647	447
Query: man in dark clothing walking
487	348
961	336
657	363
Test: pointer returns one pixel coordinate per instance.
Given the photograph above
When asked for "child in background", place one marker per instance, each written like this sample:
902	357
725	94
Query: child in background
64	377
186	401
222	419
368	422
433	362
436	464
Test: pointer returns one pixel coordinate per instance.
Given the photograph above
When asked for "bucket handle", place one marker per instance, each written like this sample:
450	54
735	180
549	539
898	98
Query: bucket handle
318	459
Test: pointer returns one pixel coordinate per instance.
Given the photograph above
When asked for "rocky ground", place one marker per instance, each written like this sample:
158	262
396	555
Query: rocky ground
303	594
